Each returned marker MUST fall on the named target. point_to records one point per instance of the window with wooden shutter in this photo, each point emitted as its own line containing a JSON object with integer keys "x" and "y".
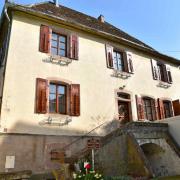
{"x": 109, "y": 56}
{"x": 154, "y": 69}
{"x": 127, "y": 57}
{"x": 41, "y": 95}
{"x": 161, "y": 109}
{"x": 140, "y": 107}
{"x": 75, "y": 100}
{"x": 74, "y": 47}
{"x": 45, "y": 36}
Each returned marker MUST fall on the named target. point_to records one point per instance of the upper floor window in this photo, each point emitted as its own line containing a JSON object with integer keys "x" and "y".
{"x": 118, "y": 62}
{"x": 59, "y": 45}
{"x": 161, "y": 71}
{"x": 64, "y": 45}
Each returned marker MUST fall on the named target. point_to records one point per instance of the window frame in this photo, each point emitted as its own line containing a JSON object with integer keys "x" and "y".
{"x": 122, "y": 60}
{"x": 58, "y": 43}
{"x": 57, "y": 84}
{"x": 152, "y": 108}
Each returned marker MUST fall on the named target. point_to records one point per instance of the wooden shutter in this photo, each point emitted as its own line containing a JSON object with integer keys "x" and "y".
{"x": 156, "y": 109}
{"x": 41, "y": 95}
{"x": 140, "y": 107}
{"x": 45, "y": 35}
{"x": 168, "y": 73}
{"x": 109, "y": 56}
{"x": 74, "y": 47}
{"x": 127, "y": 58}
{"x": 154, "y": 69}
{"x": 161, "y": 109}
{"x": 176, "y": 107}
{"x": 75, "y": 100}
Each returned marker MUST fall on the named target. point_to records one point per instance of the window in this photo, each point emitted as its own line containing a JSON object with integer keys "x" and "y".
{"x": 167, "y": 109}
{"x": 63, "y": 98}
{"x": 59, "y": 45}
{"x": 161, "y": 72}
{"x": 149, "y": 109}
{"x": 64, "y": 45}
{"x": 57, "y": 98}
{"x": 123, "y": 95}
{"x": 118, "y": 62}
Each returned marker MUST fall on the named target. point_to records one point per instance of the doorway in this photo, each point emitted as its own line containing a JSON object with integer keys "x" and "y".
{"x": 124, "y": 111}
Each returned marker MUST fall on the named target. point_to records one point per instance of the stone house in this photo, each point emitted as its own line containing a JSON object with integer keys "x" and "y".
{"x": 64, "y": 73}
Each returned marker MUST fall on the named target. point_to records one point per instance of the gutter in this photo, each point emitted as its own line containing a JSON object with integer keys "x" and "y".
{"x": 4, "y": 61}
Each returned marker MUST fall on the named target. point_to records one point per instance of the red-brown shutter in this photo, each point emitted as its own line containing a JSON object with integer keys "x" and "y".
{"x": 127, "y": 57}
{"x": 176, "y": 107}
{"x": 75, "y": 100}
{"x": 41, "y": 95}
{"x": 156, "y": 109}
{"x": 74, "y": 47}
{"x": 154, "y": 69}
{"x": 109, "y": 56}
{"x": 168, "y": 74}
{"x": 161, "y": 109}
{"x": 44, "y": 45}
{"x": 140, "y": 107}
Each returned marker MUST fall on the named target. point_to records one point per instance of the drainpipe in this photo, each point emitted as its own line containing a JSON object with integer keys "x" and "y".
{"x": 5, "y": 59}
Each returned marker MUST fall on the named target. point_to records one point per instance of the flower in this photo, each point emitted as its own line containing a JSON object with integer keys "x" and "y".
{"x": 74, "y": 175}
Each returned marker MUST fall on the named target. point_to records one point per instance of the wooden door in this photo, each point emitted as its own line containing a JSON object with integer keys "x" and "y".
{"x": 123, "y": 110}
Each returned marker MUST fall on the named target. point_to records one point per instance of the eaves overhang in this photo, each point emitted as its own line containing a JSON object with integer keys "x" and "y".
{"x": 74, "y": 24}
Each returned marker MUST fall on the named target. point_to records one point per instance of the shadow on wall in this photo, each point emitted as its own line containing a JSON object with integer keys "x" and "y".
{"x": 32, "y": 151}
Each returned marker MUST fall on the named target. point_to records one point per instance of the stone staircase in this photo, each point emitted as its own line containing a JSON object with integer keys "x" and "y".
{"x": 139, "y": 149}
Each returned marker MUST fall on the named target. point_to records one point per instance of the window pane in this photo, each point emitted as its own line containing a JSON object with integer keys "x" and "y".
{"x": 54, "y": 43}
{"x": 62, "y": 39}
{"x": 62, "y": 46}
{"x": 54, "y": 36}
{"x": 54, "y": 51}
{"x": 52, "y": 88}
{"x": 62, "y": 53}
{"x": 62, "y": 103}
{"x": 52, "y": 107}
{"x": 61, "y": 90}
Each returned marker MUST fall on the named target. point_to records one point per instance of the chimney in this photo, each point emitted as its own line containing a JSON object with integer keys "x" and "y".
{"x": 56, "y": 3}
{"x": 101, "y": 18}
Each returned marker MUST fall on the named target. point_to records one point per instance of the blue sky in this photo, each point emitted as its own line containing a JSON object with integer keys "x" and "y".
{"x": 155, "y": 22}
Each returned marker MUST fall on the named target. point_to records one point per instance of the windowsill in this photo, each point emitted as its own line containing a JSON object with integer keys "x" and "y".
{"x": 163, "y": 84}
{"x": 121, "y": 74}
{"x": 59, "y": 60}
{"x": 56, "y": 120}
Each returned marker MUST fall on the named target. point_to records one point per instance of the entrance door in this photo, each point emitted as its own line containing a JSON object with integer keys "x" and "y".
{"x": 123, "y": 110}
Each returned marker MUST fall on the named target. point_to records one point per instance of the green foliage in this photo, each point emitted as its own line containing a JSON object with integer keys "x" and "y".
{"x": 92, "y": 175}
{"x": 119, "y": 178}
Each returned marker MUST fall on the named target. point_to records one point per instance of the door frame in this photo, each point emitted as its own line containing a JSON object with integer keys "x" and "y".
{"x": 129, "y": 101}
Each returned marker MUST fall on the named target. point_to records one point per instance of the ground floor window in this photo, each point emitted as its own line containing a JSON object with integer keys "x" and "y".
{"x": 167, "y": 109}
{"x": 149, "y": 109}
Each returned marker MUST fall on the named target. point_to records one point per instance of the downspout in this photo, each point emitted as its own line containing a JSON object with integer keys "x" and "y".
{"x": 4, "y": 61}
